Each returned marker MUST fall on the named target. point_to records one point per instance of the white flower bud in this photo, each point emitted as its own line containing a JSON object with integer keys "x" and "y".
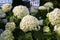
{"x": 46, "y": 29}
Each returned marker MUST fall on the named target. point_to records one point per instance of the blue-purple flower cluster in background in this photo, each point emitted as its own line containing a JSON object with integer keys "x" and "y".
{"x": 1, "y": 30}
{"x": 5, "y": 1}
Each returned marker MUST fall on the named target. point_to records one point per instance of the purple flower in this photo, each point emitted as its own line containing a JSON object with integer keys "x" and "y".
{"x": 1, "y": 30}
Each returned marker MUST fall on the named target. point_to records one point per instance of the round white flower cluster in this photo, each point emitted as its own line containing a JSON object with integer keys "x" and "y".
{"x": 7, "y": 35}
{"x": 54, "y": 16}
{"x": 6, "y": 7}
{"x": 57, "y": 29}
{"x": 42, "y": 8}
{"x": 29, "y": 23}
{"x": 46, "y": 29}
{"x": 10, "y": 26}
{"x": 48, "y": 5}
{"x": 2, "y": 14}
{"x": 20, "y": 11}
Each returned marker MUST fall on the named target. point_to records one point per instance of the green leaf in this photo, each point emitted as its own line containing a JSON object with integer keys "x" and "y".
{"x": 46, "y": 22}
{"x": 28, "y": 36}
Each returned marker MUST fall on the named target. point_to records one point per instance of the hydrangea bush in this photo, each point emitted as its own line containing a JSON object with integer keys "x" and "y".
{"x": 21, "y": 25}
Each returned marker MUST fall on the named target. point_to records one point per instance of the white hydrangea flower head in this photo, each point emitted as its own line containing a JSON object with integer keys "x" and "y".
{"x": 29, "y": 23}
{"x": 41, "y": 22}
{"x": 20, "y": 11}
{"x": 42, "y": 8}
{"x": 54, "y": 16}
{"x": 57, "y": 29}
{"x": 2, "y": 14}
{"x": 46, "y": 29}
{"x": 56, "y": 26}
{"x": 48, "y": 5}
{"x": 6, "y": 7}
{"x": 7, "y": 35}
{"x": 10, "y": 26}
